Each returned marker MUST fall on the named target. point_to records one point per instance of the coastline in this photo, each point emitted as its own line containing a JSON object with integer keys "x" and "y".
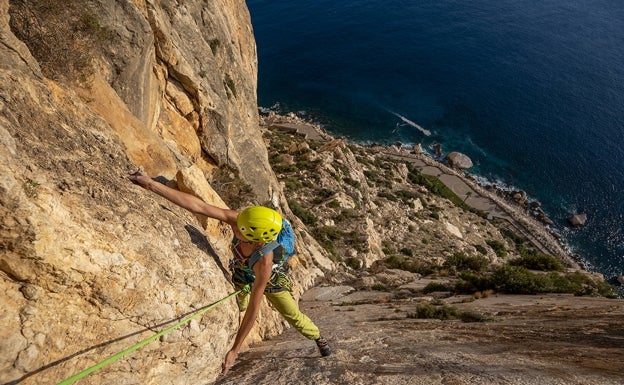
{"x": 493, "y": 202}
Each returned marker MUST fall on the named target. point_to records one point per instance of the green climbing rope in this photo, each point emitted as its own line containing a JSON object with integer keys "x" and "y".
{"x": 146, "y": 341}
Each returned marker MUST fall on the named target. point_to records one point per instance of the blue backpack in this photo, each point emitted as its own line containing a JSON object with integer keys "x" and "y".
{"x": 285, "y": 240}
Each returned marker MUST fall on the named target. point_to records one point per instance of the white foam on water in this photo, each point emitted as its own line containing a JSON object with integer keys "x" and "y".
{"x": 411, "y": 123}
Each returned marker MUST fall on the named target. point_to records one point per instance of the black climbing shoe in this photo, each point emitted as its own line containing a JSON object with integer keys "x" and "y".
{"x": 323, "y": 346}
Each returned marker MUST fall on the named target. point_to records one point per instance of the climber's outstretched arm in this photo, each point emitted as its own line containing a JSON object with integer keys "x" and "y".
{"x": 184, "y": 200}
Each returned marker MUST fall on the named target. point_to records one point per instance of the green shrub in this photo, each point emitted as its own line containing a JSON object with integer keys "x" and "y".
{"x": 460, "y": 261}
{"x": 436, "y": 312}
{"x": 362, "y": 160}
{"x": 306, "y": 217}
{"x": 229, "y": 83}
{"x": 400, "y": 262}
{"x": 334, "y": 204}
{"x": 326, "y": 236}
{"x": 354, "y": 263}
{"x": 429, "y": 311}
{"x": 328, "y": 232}
{"x": 498, "y": 247}
{"x": 421, "y": 268}
{"x": 471, "y": 316}
{"x": 394, "y": 261}
{"x": 292, "y": 184}
{"x": 322, "y": 194}
{"x": 284, "y": 168}
{"x": 580, "y": 284}
{"x": 481, "y": 249}
{"x": 436, "y": 286}
{"x": 517, "y": 239}
{"x": 388, "y": 195}
{"x": 471, "y": 282}
{"x": 371, "y": 176}
{"x": 435, "y": 186}
{"x": 380, "y": 287}
{"x": 407, "y": 251}
{"x": 355, "y": 240}
{"x": 348, "y": 214}
{"x": 406, "y": 195}
{"x": 538, "y": 261}
{"x": 519, "y": 280}
{"x": 352, "y": 182}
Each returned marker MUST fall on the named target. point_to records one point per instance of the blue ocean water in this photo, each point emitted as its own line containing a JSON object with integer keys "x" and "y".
{"x": 533, "y": 92}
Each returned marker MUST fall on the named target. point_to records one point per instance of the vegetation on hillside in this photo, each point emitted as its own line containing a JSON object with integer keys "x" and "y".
{"x": 64, "y": 36}
{"x": 330, "y": 200}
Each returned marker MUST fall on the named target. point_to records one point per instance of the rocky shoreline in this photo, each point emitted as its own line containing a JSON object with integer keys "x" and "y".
{"x": 526, "y": 216}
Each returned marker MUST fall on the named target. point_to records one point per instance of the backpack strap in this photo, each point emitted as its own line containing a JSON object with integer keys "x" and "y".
{"x": 261, "y": 252}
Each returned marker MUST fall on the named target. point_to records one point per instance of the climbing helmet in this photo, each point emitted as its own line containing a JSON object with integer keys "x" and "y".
{"x": 259, "y": 224}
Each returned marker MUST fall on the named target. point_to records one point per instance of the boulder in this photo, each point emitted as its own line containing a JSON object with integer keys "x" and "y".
{"x": 459, "y": 160}
{"x": 578, "y": 220}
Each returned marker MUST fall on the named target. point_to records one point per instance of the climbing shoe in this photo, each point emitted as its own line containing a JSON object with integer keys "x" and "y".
{"x": 323, "y": 346}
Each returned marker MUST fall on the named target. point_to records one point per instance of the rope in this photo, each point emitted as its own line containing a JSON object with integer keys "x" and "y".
{"x": 146, "y": 341}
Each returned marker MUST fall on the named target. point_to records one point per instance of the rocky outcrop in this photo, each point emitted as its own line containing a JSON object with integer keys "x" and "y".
{"x": 459, "y": 160}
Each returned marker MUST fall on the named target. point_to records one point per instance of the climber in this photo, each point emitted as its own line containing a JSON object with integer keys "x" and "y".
{"x": 253, "y": 228}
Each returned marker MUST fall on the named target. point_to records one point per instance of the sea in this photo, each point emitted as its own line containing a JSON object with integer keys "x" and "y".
{"x": 531, "y": 91}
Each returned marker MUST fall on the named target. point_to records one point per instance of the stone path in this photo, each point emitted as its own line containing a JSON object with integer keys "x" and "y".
{"x": 308, "y": 131}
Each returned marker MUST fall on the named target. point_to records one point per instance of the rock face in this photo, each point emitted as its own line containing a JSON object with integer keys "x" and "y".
{"x": 183, "y": 72}
{"x": 459, "y": 160}
{"x": 89, "y": 263}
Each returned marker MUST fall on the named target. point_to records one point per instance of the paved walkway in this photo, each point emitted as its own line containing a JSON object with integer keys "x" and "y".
{"x": 308, "y": 131}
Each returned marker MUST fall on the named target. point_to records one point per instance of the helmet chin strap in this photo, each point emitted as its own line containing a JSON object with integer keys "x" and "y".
{"x": 252, "y": 242}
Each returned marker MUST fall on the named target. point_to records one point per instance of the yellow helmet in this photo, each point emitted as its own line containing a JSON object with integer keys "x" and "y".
{"x": 259, "y": 224}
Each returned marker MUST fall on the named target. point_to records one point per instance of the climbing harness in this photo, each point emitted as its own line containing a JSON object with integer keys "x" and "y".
{"x": 146, "y": 341}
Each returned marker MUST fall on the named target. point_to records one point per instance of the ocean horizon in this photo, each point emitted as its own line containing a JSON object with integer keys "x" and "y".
{"x": 532, "y": 93}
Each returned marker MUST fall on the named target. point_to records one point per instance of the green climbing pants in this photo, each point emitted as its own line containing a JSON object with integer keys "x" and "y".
{"x": 285, "y": 304}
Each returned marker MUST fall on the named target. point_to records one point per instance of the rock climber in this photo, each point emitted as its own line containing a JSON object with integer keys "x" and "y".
{"x": 253, "y": 228}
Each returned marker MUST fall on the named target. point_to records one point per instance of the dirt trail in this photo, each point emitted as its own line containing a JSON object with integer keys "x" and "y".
{"x": 555, "y": 339}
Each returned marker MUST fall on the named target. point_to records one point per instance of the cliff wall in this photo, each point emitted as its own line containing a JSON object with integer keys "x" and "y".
{"x": 90, "y": 263}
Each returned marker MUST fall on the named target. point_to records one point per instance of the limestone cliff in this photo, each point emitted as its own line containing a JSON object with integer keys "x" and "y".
{"x": 91, "y": 263}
